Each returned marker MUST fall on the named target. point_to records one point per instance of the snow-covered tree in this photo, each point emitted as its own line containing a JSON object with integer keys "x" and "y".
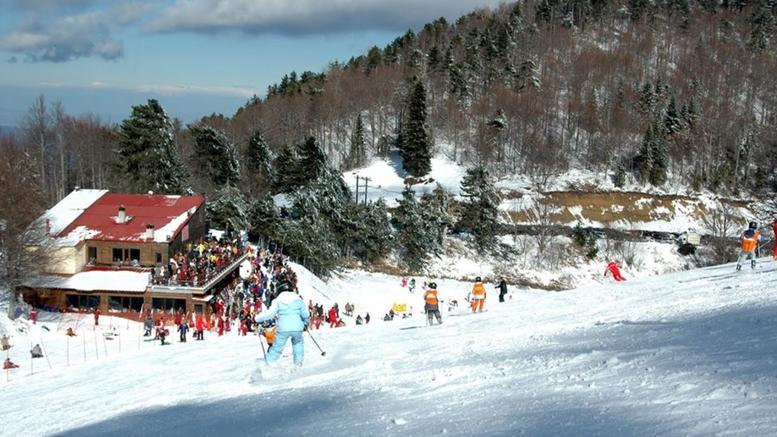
{"x": 147, "y": 154}
{"x": 415, "y": 235}
{"x": 646, "y": 155}
{"x": 286, "y": 169}
{"x": 227, "y": 210}
{"x": 481, "y": 208}
{"x": 264, "y": 218}
{"x": 673, "y": 123}
{"x": 214, "y": 156}
{"x": 437, "y": 205}
{"x": 528, "y": 76}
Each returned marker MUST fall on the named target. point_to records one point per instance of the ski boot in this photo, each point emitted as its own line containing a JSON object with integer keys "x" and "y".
{"x": 739, "y": 267}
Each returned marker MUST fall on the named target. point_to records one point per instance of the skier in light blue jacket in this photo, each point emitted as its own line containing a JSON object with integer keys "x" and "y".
{"x": 293, "y": 317}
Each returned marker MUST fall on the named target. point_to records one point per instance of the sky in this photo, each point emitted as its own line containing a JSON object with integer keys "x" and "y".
{"x": 196, "y": 56}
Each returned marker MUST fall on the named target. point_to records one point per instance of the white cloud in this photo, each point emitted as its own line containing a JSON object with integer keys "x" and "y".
{"x": 299, "y": 17}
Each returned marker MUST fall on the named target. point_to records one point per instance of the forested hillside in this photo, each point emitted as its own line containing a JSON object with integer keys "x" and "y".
{"x": 653, "y": 95}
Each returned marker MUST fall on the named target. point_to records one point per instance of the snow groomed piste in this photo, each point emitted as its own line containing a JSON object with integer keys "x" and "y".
{"x": 689, "y": 353}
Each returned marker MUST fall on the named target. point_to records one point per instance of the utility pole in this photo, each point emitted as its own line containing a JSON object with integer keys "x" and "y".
{"x": 357, "y": 189}
{"x": 366, "y": 181}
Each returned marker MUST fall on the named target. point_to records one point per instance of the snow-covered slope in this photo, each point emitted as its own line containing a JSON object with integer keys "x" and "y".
{"x": 688, "y": 353}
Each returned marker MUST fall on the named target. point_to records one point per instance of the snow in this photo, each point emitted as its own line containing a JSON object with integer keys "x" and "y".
{"x": 166, "y": 232}
{"x": 387, "y": 178}
{"x": 687, "y": 353}
{"x": 97, "y": 280}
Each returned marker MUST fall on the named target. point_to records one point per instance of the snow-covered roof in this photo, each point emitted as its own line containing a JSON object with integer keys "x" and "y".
{"x": 96, "y": 280}
{"x": 64, "y": 213}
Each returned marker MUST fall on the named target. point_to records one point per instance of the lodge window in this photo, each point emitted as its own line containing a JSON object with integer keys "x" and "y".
{"x": 198, "y": 309}
{"x": 125, "y": 255}
{"x": 158, "y": 258}
{"x": 76, "y": 302}
{"x": 125, "y": 304}
{"x": 159, "y": 303}
{"x": 91, "y": 255}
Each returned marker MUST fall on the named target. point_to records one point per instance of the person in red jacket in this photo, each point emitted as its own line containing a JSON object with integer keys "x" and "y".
{"x": 96, "y": 316}
{"x": 332, "y": 317}
{"x": 200, "y": 325}
{"x": 33, "y": 316}
{"x": 612, "y": 267}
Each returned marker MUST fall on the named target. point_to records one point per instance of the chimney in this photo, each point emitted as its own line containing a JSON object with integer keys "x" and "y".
{"x": 149, "y": 232}
{"x": 122, "y": 215}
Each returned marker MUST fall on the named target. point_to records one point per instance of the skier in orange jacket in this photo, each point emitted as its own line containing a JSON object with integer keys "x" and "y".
{"x": 748, "y": 243}
{"x": 478, "y": 295}
{"x": 432, "y": 304}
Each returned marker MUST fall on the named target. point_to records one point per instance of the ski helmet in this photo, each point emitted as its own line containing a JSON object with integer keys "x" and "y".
{"x": 753, "y": 225}
{"x": 478, "y": 279}
{"x": 433, "y": 285}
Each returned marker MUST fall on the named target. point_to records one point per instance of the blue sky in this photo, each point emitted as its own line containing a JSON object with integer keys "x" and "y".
{"x": 196, "y": 56}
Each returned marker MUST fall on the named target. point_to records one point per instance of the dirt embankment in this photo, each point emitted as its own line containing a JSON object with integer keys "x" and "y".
{"x": 609, "y": 207}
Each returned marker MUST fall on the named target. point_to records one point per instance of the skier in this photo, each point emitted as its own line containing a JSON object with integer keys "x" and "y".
{"x": 502, "y": 289}
{"x": 748, "y": 243}
{"x": 33, "y": 316}
{"x": 36, "y": 351}
{"x": 293, "y": 317}
{"x": 367, "y": 319}
{"x": 432, "y": 305}
{"x": 96, "y": 316}
{"x": 612, "y": 267}
{"x": 70, "y": 332}
{"x": 5, "y": 342}
{"x": 332, "y": 317}
{"x": 200, "y": 327}
{"x": 8, "y": 364}
{"x": 478, "y": 295}
{"x": 148, "y": 324}
{"x": 359, "y": 320}
{"x": 183, "y": 328}
{"x": 411, "y": 285}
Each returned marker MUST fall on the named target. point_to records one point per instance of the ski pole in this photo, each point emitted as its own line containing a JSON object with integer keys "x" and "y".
{"x": 316, "y": 343}
{"x": 261, "y": 346}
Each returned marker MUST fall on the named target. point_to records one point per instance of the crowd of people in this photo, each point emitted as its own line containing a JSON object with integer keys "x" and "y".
{"x": 199, "y": 262}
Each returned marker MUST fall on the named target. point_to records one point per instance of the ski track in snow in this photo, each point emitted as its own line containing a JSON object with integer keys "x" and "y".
{"x": 678, "y": 354}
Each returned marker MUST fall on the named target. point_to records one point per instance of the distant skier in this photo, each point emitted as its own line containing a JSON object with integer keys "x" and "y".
{"x": 8, "y": 364}
{"x": 748, "y": 243}
{"x": 199, "y": 325}
{"x": 502, "y": 287}
{"x": 183, "y": 328}
{"x": 411, "y": 285}
{"x": 5, "y": 342}
{"x": 432, "y": 305}
{"x": 478, "y": 295}
{"x": 148, "y": 325}
{"x": 33, "y": 316}
{"x": 614, "y": 269}
{"x": 96, "y": 316}
{"x": 293, "y": 317}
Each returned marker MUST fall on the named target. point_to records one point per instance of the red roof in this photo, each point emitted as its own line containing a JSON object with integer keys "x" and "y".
{"x": 141, "y": 209}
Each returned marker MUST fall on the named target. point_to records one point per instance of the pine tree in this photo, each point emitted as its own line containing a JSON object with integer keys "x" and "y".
{"x": 672, "y": 121}
{"x": 227, "y": 210}
{"x": 373, "y": 235}
{"x": 358, "y": 155}
{"x": 620, "y": 174}
{"x": 528, "y": 76}
{"x": 287, "y": 171}
{"x": 646, "y": 155}
{"x": 215, "y": 156}
{"x": 147, "y": 155}
{"x": 437, "y": 205}
{"x": 660, "y": 157}
{"x": 312, "y": 161}
{"x": 762, "y": 26}
{"x": 417, "y": 144}
{"x": 259, "y": 161}
{"x": 415, "y": 236}
{"x": 264, "y": 218}
{"x": 481, "y": 208}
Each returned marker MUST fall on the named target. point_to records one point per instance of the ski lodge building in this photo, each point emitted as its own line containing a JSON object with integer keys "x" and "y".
{"x": 106, "y": 250}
